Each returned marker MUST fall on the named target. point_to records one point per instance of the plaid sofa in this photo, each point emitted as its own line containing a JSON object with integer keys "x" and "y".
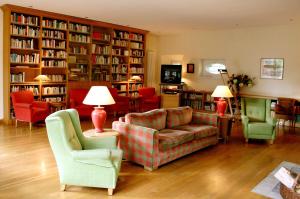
{"x": 159, "y": 136}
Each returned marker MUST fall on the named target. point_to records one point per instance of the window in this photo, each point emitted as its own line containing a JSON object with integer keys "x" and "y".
{"x": 212, "y": 66}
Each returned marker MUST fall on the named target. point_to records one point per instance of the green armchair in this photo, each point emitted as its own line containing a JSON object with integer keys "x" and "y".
{"x": 257, "y": 120}
{"x": 82, "y": 161}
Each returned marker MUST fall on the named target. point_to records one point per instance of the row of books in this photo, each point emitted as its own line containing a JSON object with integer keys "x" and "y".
{"x": 54, "y": 99}
{"x": 24, "y": 31}
{"x": 79, "y": 28}
{"x": 52, "y": 43}
{"x": 119, "y": 69}
{"x": 78, "y": 50}
{"x": 135, "y": 60}
{"x": 19, "y": 77}
{"x": 53, "y": 23}
{"x": 54, "y": 90}
{"x": 33, "y": 89}
{"x": 136, "y": 45}
{"x": 53, "y": 34}
{"x": 121, "y": 34}
{"x": 119, "y": 51}
{"x": 101, "y": 36}
{"x": 138, "y": 53}
{"x": 134, "y": 87}
{"x": 119, "y": 60}
{"x": 99, "y": 75}
{"x": 79, "y": 69}
{"x": 54, "y": 63}
{"x": 137, "y": 37}
{"x": 56, "y": 78}
{"x": 98, "y": 49}
{"x": 118, "y": 77}
{"x": 24, "y": 19}
{"x": 22, "y": 43}
{"x": 118, "y": 42}
{"x": 54, "y": 53}
{"x": 136, "y": 70}
{"x": 22, "y": 58}
{"x": 100, "y": 59}
{"x": 79, "y": 38}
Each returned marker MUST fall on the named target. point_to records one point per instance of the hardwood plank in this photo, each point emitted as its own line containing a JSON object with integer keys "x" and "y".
{"x": 28, "y": 168}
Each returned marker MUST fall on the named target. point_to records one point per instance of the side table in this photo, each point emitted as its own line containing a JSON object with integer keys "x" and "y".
{"x": 55, "y": 106}
{"x": 106, "y": 133}
{"x": 225, "y": 124}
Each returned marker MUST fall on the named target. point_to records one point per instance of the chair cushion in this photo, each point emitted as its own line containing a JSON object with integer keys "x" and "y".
{"x": 155, "y": 119}
{"x": 260, "y": 128}
{"x": 169, "y": 138}
{"x": 200, "y": 131}
{"x": 179, "y": 116}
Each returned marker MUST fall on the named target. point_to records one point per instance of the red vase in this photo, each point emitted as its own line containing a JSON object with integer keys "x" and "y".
{"x": 221, "y": 106}
{"x": 98, "y": 118}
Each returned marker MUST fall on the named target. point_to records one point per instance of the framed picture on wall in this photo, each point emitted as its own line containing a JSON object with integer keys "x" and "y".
{"x": 271, "y": 68}
{"x": 190, "y": 68}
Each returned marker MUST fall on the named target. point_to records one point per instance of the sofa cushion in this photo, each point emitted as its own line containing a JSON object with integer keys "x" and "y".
{"x": 155, "y": 119}
{"x": 260, "y": 128}
{"x": 169, "y": 138}
{"x": 200, "y": 131}
{"x": 179, "y": 116}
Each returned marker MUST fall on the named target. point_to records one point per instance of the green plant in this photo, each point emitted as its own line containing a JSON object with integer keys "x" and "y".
{"x": 239, "y": 81}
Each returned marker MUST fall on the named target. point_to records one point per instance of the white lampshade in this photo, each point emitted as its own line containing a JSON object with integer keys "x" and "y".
{"x": 98, "y": 95}
{"x": 222, "y": 91}
{"x": 42, "y": 78}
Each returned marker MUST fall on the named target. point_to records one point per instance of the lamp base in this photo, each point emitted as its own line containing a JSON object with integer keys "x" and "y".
{"x": 98, "y": 118}
{"x": 221, "y": 106}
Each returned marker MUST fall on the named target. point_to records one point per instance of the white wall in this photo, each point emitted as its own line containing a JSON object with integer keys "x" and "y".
{"x": 242, "y": 49}
{"x": 1, "y": 65}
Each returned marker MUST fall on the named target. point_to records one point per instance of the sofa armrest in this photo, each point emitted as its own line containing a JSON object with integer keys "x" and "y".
{"x": 140, "y": 144}
{"x": 205, "y": 118}
{"x": 22, "y": 105}
{"x": 99, "y": 157}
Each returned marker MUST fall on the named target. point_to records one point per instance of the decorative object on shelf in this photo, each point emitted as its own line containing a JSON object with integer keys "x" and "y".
{"x": 190, "y": 68}
{"x": 271, "y": 68}
{"x": 239, "y": 81}
{"x": 99, "y": 95}
{"x": 222, "y": 92}
{"x": 42, "y": 78}
{"x": 136, "y": 78}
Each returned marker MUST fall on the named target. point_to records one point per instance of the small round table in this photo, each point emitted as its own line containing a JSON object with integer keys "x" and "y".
{"x": 106, "y": 133}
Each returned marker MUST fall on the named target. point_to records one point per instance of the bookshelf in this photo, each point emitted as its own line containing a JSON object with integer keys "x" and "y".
{"x": 198, "y": 100}
{"x": 73, "y": 52}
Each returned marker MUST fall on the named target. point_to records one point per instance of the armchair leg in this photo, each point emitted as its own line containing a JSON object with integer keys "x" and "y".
{"x": 30, "y": 126}
{"x": 16, "y": 123}
{"x": 63, "y": 187}
{"x": 110, "y": 192}
{"x": 247, "y": 140}
{"x": 271, "y": 142}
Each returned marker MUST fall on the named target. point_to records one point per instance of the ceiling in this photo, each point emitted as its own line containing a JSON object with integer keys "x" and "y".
{"x": 171, "y": 16}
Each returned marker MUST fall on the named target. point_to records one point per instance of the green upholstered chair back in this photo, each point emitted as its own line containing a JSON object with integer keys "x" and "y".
{"x": 255, "y": 109}
{"x": 62, "y": 134}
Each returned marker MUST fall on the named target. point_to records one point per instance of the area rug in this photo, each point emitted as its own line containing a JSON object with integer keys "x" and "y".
{"x": 269, "y": 186}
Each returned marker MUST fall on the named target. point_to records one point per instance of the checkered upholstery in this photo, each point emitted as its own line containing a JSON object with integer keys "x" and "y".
{"x": 179, "y": 116}
{"x": 152, "y": 148}
{"x": 155, "y": 119}
{"x": 169, "y": 138}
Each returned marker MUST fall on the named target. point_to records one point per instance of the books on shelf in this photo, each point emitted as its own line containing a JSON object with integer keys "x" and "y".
{"x": 54, "y": 90}
{"x": 54, "y": 54}
{"x": 100, "y": 59}
{"x": 53, "y": 23}
{"x": 137, "y": 37}
{"x": 17, "y": 78}
{"x": 24, "y": 31}
{"x": 98, "y": 49}
{"x": 22, "y": 43}
{"x": 78, "y": 50}
{"x": 79, "y": 38}
{"x": 136, "y": 45}
{"x": 101, "y": 36}
{"x": 122, "y": 43}
{"x": 33, "y": 89}
{"x": 120, "y": 34}
{"x": 24, "y": 19}
{"x": 33, "y": 58}
{"x": 55, "y": 34}
{"x": 52, "y": 43}
{"x": 79, "y": 28}
{"x": 137, "y": 53}
{"x": 54, "y": 63}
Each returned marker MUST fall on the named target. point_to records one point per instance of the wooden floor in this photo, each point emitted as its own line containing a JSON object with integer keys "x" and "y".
{"x": 28, "y": 169}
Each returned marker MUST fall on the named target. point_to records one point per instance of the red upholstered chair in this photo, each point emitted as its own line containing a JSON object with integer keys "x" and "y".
{"x": 121, "y": 105}
{"x": 148, "y": 99}
{"x": 76, "y": 97}
{"x": 28, "y": 110}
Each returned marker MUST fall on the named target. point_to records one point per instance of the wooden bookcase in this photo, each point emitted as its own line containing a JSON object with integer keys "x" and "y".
{"x": 68, "y": 50}
{"x": 198, "y": 100}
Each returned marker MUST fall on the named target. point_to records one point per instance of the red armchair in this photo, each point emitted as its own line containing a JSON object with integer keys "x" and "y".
{"x": 28, "y": 110}
{"x": 148, "y": 99}
{"x": 76, "y": 97}
{"x": 121, "y": 105}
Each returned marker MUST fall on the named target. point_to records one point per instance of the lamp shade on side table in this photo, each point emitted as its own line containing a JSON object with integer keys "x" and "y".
{"x": 222, "y": 92}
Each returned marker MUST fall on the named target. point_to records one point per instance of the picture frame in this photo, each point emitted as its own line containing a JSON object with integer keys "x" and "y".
{"x": 271, "y": 68}
{"x": 190, "y": 68}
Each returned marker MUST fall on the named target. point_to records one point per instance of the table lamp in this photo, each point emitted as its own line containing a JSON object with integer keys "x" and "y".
{"x": 222, "y": 92}
{"x": 98, "y": 95}
{"x": 41, "y": 79}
